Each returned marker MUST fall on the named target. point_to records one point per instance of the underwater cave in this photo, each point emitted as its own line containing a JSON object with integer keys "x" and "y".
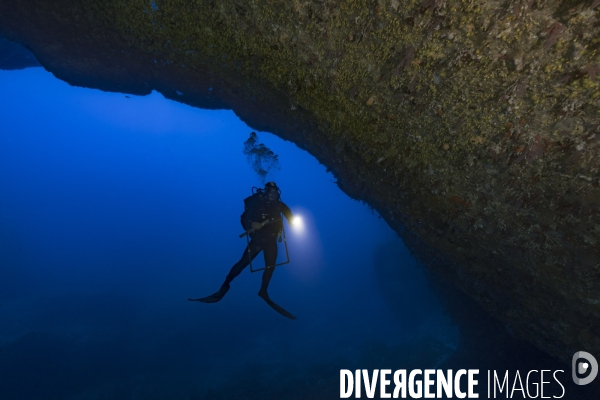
{"x": 469, "y": 130}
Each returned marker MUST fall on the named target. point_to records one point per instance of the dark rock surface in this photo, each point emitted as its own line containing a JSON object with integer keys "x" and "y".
{"x": 15, "y": 56}
{"x": 471, "y": 126}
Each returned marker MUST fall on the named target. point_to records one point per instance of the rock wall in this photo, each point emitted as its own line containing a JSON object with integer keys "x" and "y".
{"x": 471, "y": 126}
{"x": 15, "y": 56}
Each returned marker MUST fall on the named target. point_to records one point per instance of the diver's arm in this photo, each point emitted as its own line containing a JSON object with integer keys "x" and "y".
{"x": 286, "y": 212}
{"x": 257, "y": 225}
{"x": 254, "y": 224}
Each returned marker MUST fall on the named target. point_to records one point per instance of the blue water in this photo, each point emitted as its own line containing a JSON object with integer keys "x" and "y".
{"x": 114, "y": 210}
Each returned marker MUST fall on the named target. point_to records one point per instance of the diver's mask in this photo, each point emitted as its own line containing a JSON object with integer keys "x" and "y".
{"x": 273, "y": 195}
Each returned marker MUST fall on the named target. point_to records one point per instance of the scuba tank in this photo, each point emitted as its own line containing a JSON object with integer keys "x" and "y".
{"x": 252, "y": 208}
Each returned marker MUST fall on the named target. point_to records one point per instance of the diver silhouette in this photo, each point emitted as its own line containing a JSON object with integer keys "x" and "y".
{"x": 263, "y": 223}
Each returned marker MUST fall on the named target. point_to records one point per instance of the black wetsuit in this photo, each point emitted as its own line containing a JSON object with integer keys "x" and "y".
{"x": 264, "y": 239}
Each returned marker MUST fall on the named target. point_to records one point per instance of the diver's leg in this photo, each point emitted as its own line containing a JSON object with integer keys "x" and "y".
{"x": 270, "y": 253}
{"x": 250, "y": 252}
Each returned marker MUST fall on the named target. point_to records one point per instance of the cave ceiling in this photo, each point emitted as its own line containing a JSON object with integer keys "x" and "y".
{"x": 470, "y": 126}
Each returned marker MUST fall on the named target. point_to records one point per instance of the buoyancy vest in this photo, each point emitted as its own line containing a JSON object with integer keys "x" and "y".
{"x": 258, "y": 208}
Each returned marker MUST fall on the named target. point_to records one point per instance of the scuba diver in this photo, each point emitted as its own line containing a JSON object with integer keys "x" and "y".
{"x": 263, "y": 223}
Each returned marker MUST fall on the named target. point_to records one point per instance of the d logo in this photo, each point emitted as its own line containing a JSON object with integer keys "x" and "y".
{"x": 583, "y": 367}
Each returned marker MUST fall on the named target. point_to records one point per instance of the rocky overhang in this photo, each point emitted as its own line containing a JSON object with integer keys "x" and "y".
{"x": 470, "y": 126}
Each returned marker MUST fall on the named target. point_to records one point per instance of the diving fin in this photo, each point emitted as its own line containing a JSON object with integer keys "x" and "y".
{"x": 213, "y": 298}
{"x": 276, "y": 306}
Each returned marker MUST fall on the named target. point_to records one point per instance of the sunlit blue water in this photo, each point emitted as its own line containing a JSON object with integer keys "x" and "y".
{"x": 115, "y": 210}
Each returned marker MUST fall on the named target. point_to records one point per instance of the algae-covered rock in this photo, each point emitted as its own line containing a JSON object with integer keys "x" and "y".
{"x": 471, "y": 126}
